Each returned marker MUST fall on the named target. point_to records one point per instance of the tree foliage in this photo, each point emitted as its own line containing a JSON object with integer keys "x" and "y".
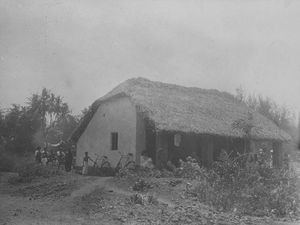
{"x": 280, "y": 115}
{"x": 17, "y": 129}
{"x": 44, "y": 113}
{"x": 51, "y": 111}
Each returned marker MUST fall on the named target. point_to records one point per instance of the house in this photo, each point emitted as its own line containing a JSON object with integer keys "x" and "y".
{"x": 299, "y": 131}
{"x": 168, "y": 122}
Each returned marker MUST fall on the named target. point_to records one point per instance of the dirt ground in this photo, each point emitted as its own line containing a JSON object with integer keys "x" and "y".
{"x": 74, "y": 199}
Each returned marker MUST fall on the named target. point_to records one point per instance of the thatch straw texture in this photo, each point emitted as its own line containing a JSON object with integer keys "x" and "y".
{"x": 193, "y": 110}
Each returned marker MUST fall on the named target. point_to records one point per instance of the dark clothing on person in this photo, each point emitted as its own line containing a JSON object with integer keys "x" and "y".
{"x": 38, "y": 157}
{"x": 68, "y": 161}
{"x": 85, "y": 158}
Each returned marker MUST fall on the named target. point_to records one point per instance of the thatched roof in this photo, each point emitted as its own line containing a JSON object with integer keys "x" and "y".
{"x": 182, "y": 109}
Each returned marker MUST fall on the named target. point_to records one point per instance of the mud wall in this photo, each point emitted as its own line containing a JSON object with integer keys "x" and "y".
{"x": 118, "y": 115}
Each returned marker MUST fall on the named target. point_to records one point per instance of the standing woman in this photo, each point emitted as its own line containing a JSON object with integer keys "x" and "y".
{"x": 85, "y": 166}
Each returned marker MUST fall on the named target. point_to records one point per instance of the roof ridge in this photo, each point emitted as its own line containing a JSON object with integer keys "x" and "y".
{"x": 194, "y": 89}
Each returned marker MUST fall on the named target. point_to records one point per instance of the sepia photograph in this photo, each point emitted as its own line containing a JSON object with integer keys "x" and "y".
{"x": 149, "y": 112}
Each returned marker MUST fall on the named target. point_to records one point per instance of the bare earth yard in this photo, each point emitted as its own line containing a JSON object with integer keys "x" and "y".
{"x": 74, "y": 199}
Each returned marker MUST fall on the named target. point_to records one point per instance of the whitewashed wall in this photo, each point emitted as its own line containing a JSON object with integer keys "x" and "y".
{"x": 118, "y": 115}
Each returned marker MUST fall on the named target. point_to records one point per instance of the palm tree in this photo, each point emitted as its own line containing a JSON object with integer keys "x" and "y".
{"x": 50, "y": 109}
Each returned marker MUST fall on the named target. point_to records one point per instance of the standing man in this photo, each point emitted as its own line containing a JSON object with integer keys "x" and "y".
{"x": 68, "y": 160}
{"x": 38, "y": 155}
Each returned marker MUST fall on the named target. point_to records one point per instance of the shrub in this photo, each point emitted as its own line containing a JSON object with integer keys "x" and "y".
{"x": 35, "y": 170}
{"x": 10, "y": 161}
{"x": 7, "y": 163}
{"x": 249, "y": 187}
{"x": 143, "y": 199}
{"x": 190, "y": 169}
{"x": 141, "y": 185}
{"x": 28, "y": 172}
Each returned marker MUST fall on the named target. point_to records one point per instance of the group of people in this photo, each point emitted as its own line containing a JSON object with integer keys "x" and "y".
{"x": 40, "y": 156}
{"x": 60, "y": 158}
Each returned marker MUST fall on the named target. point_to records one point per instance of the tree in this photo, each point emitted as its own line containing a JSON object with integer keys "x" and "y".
{"x": 66, "y": 127}
{"x": 280, "y": 115}
{"x": 84, "y": 112}
{"x": 51, "y": 111}
{"x": 17, "y": 129}
{"x": 45, "y": 118}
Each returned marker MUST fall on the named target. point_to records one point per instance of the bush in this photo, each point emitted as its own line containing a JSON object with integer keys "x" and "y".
{"x": 189, "y": 169}
{"x": 35, "y": 170}
{"x": 7, "y": 163}
{"x": 28, "y": 172}
{"x": 143, "y": 199}
{"x": 248, "y": 187}
{"x": 141, "y": 186}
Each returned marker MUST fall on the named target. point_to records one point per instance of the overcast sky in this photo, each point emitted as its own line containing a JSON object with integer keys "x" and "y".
{"x": 81, "y": 49}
